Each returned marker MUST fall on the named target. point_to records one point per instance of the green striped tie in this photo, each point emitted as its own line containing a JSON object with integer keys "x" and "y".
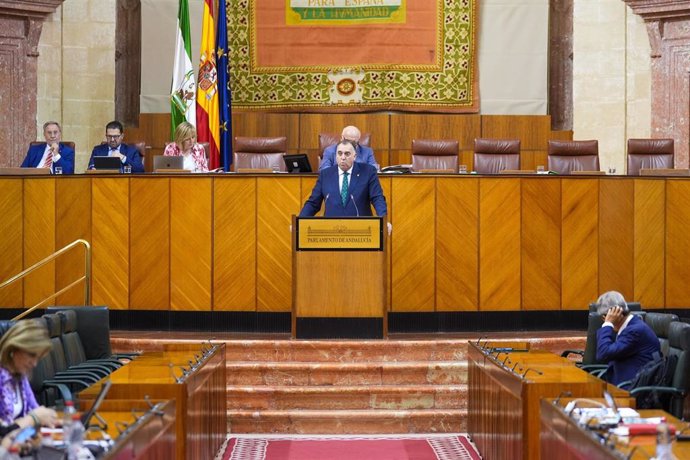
{"x": 343, "y": 190}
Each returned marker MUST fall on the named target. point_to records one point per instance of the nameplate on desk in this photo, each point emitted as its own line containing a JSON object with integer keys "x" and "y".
{"x": 24, "y": 171}
{"x": 354, "y": 233}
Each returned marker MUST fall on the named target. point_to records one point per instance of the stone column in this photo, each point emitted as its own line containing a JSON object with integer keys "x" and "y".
{"x": 668, "y": 26}
{"x": 20, "y": 28}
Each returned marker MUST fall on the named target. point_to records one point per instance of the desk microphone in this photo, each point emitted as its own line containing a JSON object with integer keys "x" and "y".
{"x": 480, "y": 339}
{"x": 533, "y": 370}
{"x": 353, "y": 202}
{"x": 567, "y": 394}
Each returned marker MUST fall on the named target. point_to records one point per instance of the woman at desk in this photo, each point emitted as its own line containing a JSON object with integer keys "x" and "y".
{"x": 186, "y": 146}
{"x": 21, "y": 347}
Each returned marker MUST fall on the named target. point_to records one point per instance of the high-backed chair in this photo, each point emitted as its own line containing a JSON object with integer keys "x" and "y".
{"x": 567, "y": 156}
{"x": 260, "y": 153}
{"x": 659, "y": 323}
{"x": 492, "y": 156}
{"x": 435, "y": 154}
{"x": 326, "y": 139}
{"x": 649, "y": 154}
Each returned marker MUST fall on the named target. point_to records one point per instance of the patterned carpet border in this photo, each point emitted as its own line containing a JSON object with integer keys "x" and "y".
{"x": 282, "y": 447}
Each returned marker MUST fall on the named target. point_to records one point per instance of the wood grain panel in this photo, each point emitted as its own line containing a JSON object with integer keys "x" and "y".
{"x": 541, "y": 244}
{"x": 405, "y": 127}
{"x": 413, "y": 244}
{"x": 649, "y": 232}
{"x": 580, "y": 240}
{"x": 532, "y": 130}
{"x": 11, "y": 248}
{"x": 457, "y": 244}
{"x": 306, "y": 186}
{"x": 39, "y": 238}
{"x": 234, "y": 244}
{"x": 260, "y": 124}
{"x": 110, "y": 233}
{"x": 150, "y": 248}
{"x": 387, "y": 187}
{"x": 191, "y": 207}
{"x": 677, "y": 243}
{"x": 499, "y": 245}
{"x": 616, "y": 241}
{"x": 73, "y": 221}
{"x": 311, "y": 124}
{"x": 278, "y": 198}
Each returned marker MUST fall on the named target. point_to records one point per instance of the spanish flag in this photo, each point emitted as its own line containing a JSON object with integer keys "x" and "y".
{"x": 207, "y": 114}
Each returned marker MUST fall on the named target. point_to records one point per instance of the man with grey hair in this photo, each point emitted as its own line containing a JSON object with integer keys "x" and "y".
{"x": 624, "y": 340}
{"x": 364, "y": 153}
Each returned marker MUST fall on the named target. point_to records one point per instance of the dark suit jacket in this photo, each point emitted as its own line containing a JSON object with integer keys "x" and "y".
{"x": 35, "y": 153}
{"x": 130, "y": 151}
{"x": 627, "y": 352}
{"x": 364, "y": 188}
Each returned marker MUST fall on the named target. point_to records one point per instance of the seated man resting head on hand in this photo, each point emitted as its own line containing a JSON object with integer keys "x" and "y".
{"x": 624, "y": 340}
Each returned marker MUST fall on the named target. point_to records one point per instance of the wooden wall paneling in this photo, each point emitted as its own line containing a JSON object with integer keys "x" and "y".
{"x": 387, "y": 186}
{"x": 457, "y": 244}
{"x": 110, "y": 235}
{"x": 649, "y": 238}
{"x": 73, "y": 221}
{"x": 234, "y": 244}
{"x": 149, "y": 225}
{"x": 191, "y": 208}
{"x": 11, "y": 247}
{"x": 532, "y": 130}
{"x": 677, "y": 243}
{"x": 616, "y": 236}
{"x": 39, "y": 237}
{"x": 466, "y": 158}
{"x": 405, "y": 127}
{"x": 580, "y": 242}
{"x": 499, "y": 245}
{"x": 413, "y": 281}
{"x": 400, "y": 157}
{"x": 262, "y": 124}
{"x": 530, "y": 159}
{"x": 154, "y": 129}
{"x": 541, "y": 244}
{"x": 278, "y": 198}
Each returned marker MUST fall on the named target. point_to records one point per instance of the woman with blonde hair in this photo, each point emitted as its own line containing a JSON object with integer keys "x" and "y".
{"x": 185, "y": 145}
{"x": 21, "y": 347}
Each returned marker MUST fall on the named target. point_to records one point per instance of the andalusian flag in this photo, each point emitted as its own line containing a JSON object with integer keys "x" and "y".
{"x": 207, "y": 117}
{"x": 183, "y": 91}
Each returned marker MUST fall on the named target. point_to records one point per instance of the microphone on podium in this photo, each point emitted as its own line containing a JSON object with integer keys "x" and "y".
{"x": 353, "y": 202}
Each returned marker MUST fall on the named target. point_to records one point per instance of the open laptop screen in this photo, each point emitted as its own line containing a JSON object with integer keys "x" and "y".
{"x": 107, "y": 163}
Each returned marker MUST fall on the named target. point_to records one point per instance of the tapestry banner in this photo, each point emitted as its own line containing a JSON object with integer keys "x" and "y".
{"x": 353, "y": 55}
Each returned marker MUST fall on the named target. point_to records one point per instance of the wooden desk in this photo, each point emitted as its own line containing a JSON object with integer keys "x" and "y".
{"x": 563, "y": 439}
{"x": 503, "y": 412}
{"x": 201, "y": 404}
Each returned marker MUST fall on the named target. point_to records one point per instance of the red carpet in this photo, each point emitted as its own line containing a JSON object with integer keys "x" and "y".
{"x": 403, "y": 447}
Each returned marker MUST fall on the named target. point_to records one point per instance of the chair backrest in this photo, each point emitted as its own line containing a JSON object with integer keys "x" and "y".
{"x": 260, "y": 153}
{"x": 93, "y": 326}
{"x": 435, "y": 154}
{"x": 679, "y": 341}
{"x": 659, "y": 323}
{"x": 206, "y": 147}
{"x": 649, "y": 154}
{"x": 327, "y": 139}
{"x": 632, "y": 306}
{"x": 492, "y": 156}
{"x": 594, "y": 322}
{"x": 567, "y": 156}
{"x": 71, "y": 342}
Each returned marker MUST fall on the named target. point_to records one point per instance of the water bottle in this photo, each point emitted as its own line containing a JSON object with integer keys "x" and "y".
{"x": 13, "y": 453}
{"x": 67, "y": 416}
{"x": 74, "y": 437}
{"x": 663, "y": 443}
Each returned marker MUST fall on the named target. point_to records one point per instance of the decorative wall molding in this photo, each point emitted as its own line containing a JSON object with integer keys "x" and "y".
{"x": 668, "y": 27}
{"x": 21, "y": 22}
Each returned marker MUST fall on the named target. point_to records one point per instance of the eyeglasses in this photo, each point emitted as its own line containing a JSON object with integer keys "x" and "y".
{"x": 113, "y": 137}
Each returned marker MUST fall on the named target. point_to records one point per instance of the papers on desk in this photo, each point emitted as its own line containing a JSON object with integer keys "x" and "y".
{"x": 603, "y": 416}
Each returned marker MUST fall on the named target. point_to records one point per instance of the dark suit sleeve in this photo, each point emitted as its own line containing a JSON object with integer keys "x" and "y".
{"x": 328, "y": 159}
{"x": 134, "y": 159}
{"x": 313, "y": 203}
{"x": 93, "y": 154}
{"x": 369, "y": 155}
{"x": 376, "y": 195}
{"x": 610, "y": 348}
{"x": 66, "y": 161}
{"x": 25, "y": 163}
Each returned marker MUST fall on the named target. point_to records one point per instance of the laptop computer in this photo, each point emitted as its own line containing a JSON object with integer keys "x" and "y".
{"x": 168, "y": 162}
{"x": 109, "y": 163}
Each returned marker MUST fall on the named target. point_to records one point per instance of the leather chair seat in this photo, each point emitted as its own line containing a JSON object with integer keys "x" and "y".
{"x": 435, "y": 154}
{"x": 260, "y": 153}
{"x": 491, "y": 156}
{"x": 649, "y": 154}
{"x": 567, "y": 156}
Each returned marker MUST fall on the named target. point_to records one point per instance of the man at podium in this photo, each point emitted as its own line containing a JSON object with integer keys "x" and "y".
{"x": 348, "y": 188}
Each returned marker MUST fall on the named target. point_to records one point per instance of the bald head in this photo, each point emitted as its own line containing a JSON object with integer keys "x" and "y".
{"x": 351, "y": 133}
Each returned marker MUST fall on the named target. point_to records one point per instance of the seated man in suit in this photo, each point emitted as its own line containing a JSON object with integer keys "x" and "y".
{"x": 624, "y": 340}
{"x": 349, "y": 188}
{"x": 51, "y": 153}
{"x": 364, "y": 154}
{"x": 128, "y": 154}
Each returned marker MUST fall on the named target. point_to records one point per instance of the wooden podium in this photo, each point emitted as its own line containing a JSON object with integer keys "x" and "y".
{"x": 339, "y": 277}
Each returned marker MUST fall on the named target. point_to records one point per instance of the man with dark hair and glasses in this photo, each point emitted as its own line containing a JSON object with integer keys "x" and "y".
{"x": 114, "y": 147}
{"x": 624, "y": 340}
{"x": 364, "y": 153}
